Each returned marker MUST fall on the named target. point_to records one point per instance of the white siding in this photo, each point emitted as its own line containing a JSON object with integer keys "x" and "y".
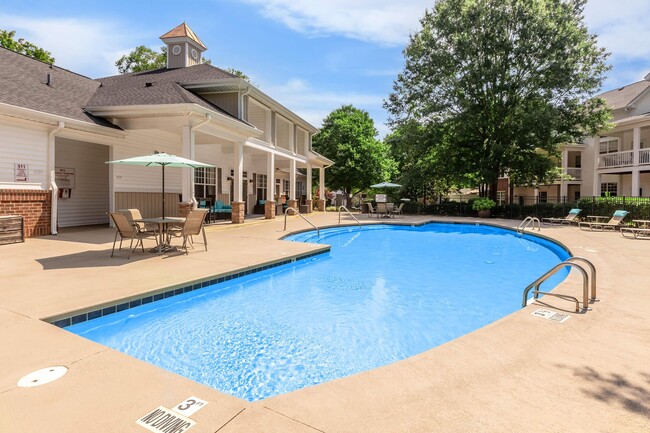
{"x": 282, "y": 131}
{"x": 133, "y": 178}
{"x": 257, "y": 116}
{"x": 226, "y": 101}
{"x": 88, "y": 202}
{"x": 23, "y": 146}
{"x": 301, "y": 142}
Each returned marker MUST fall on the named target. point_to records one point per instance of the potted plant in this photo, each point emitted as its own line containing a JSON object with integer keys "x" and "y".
{"x": 484, "y": 206}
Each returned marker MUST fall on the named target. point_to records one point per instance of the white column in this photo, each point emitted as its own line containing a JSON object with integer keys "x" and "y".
{"x": 238, "y": 156}
{"x": 270, "y": 178}
{"x": 187, "y": 175}
{"x": 292, "y": 179}
{"x": 564, "y": 187}
{"x": 636, "y": 146}
{"x": 596, "y": 191}
{"x": 321, "y": 181}
{"x": 309, "y": 175}
{"x": 268, "y": 125}
{"x": 635, "y": 182}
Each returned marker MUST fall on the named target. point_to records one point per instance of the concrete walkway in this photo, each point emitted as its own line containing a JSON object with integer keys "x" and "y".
{"x": 522, "y": 373}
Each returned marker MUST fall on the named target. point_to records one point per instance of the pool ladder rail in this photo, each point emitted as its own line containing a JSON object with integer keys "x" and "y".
{"x": 586, "y": 280}
{"x": 343, "y": 208}
{"x": 527, "y": 222}
{"x": 296, "y": 212}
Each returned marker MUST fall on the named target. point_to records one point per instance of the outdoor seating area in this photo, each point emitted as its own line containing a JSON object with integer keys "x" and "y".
{"x": 129, "y": 224}
{"x": 385, "y": 210}
{"x": 570, "y": 218}
{"x": 641, "y": 229}
{"x": 600, "y": 223}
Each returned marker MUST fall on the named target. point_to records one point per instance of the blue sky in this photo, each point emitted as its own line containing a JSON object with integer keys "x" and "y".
{"x": 312, "y": 56}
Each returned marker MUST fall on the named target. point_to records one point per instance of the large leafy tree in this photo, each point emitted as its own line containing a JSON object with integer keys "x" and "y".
{"x": 8, "y": 41}
{"x": 505, "y": 83}
{"x": 347, "y": 137}
{"x": 420, "y": 172}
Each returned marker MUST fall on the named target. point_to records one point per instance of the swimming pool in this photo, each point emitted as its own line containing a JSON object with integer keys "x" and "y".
{"x": 382, "y": 294}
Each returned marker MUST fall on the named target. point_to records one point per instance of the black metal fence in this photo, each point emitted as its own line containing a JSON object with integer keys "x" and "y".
{"x": 638, "y": 207}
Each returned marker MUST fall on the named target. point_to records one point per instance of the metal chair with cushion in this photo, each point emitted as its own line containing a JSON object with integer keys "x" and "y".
{"x": 133, "y": 215}
{"x": 127, "y": 230}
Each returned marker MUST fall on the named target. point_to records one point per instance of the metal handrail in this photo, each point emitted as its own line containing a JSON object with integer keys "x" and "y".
{"x": 296, "y": 212}
{"x": 350, "y": 213}
{"x": 527, "y": 221}
{"x": 593, "y": 275}
{"x": 585, "y": 285}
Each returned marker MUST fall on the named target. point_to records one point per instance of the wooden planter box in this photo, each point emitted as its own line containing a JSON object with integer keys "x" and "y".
{"x": 12, "y": 229}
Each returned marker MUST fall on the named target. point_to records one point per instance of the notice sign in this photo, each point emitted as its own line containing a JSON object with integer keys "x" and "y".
{"x": 21, "y": 172}
{"x": 190, "y": 405}
{"x": 163, "y": 420}
{"x": 64, "y": 178}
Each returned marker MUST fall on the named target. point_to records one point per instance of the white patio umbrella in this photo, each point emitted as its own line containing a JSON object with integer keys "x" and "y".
{"x": 163, "y": 160}
{"x": 386, "y": 185}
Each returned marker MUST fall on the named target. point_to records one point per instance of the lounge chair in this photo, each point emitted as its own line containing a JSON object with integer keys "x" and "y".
{"x": 193, "y": 226}
{"x": 127, "y": 230}
{"x": 615, "y": 222}
{"x": 571, "y": 217}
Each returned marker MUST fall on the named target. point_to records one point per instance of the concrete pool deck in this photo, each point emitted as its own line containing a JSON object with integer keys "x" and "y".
{"x": 521, "y": 373}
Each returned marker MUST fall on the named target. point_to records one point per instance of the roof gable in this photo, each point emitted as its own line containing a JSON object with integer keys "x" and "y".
{"x": 624, "y": 96}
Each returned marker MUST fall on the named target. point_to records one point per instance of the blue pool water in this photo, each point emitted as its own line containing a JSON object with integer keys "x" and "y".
{"x": 382, "y": 294}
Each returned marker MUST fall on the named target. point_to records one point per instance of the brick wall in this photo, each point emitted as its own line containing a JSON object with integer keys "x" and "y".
{"x": 34, "y": 206}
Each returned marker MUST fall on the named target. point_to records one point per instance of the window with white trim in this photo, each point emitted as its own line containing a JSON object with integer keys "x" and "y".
{"x": 609, "y": 145}
{"x": 205, "y": 182}
{"x": 261, "y": 181}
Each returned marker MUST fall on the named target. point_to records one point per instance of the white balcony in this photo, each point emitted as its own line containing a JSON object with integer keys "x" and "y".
{"x": 575, "y": 173}
{"x": 644, "y": 156}
{"x": 618, "y": 159}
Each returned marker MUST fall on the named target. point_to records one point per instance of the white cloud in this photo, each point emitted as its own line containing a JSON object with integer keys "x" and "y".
{"x": 385, "y": 22}
{"x": 314, "y": 105}
{"x": 85, "y": 46}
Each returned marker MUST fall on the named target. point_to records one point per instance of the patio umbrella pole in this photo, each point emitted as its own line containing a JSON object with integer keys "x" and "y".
{"x": 163, "y": 191}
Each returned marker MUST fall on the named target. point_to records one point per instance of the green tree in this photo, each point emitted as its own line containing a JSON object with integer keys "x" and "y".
{"x": 421, "y": 172}
{"x": 347, "y": 137}
{"x": 8, "y": 41}
{"x": 505, "y": 82}
{"x": 142, "y": 59}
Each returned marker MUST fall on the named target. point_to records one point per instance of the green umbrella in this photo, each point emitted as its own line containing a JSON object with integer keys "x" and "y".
{"x": 163, "y": 160}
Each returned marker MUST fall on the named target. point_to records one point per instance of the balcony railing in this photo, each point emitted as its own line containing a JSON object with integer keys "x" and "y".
{"x": 644, "y": 156}
{"x": 619, "y": 159}
{"x": 575, "y": 173}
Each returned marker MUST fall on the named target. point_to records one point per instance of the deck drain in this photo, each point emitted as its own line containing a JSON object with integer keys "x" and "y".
{"x": 43, "y": 376}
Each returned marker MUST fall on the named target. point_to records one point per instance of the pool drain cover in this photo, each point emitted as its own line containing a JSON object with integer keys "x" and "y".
{"x": 43, "y": 376}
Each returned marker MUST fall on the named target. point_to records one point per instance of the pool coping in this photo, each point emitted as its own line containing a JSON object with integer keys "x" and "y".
{"x": 105, "y": 309}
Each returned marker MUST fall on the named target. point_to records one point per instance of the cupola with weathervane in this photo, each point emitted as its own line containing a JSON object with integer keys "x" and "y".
{"x": 184, "y": 48}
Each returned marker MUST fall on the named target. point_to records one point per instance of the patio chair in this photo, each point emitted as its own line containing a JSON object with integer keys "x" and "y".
{"x": 371, "y": 210}
{"x": 193, "y": 226}
{"x": 127, "y": 230}
{"x": 398, "y": 210}
{"x": 133, "y": 215}
{"x": 615, "y": 222}
{"x": 571, "y": 217}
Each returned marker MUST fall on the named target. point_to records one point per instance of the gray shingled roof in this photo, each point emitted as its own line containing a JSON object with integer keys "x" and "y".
{"x": 23, "y": 84}
{"x": 621, "y": 98}
{"x": 159, "y": 86}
